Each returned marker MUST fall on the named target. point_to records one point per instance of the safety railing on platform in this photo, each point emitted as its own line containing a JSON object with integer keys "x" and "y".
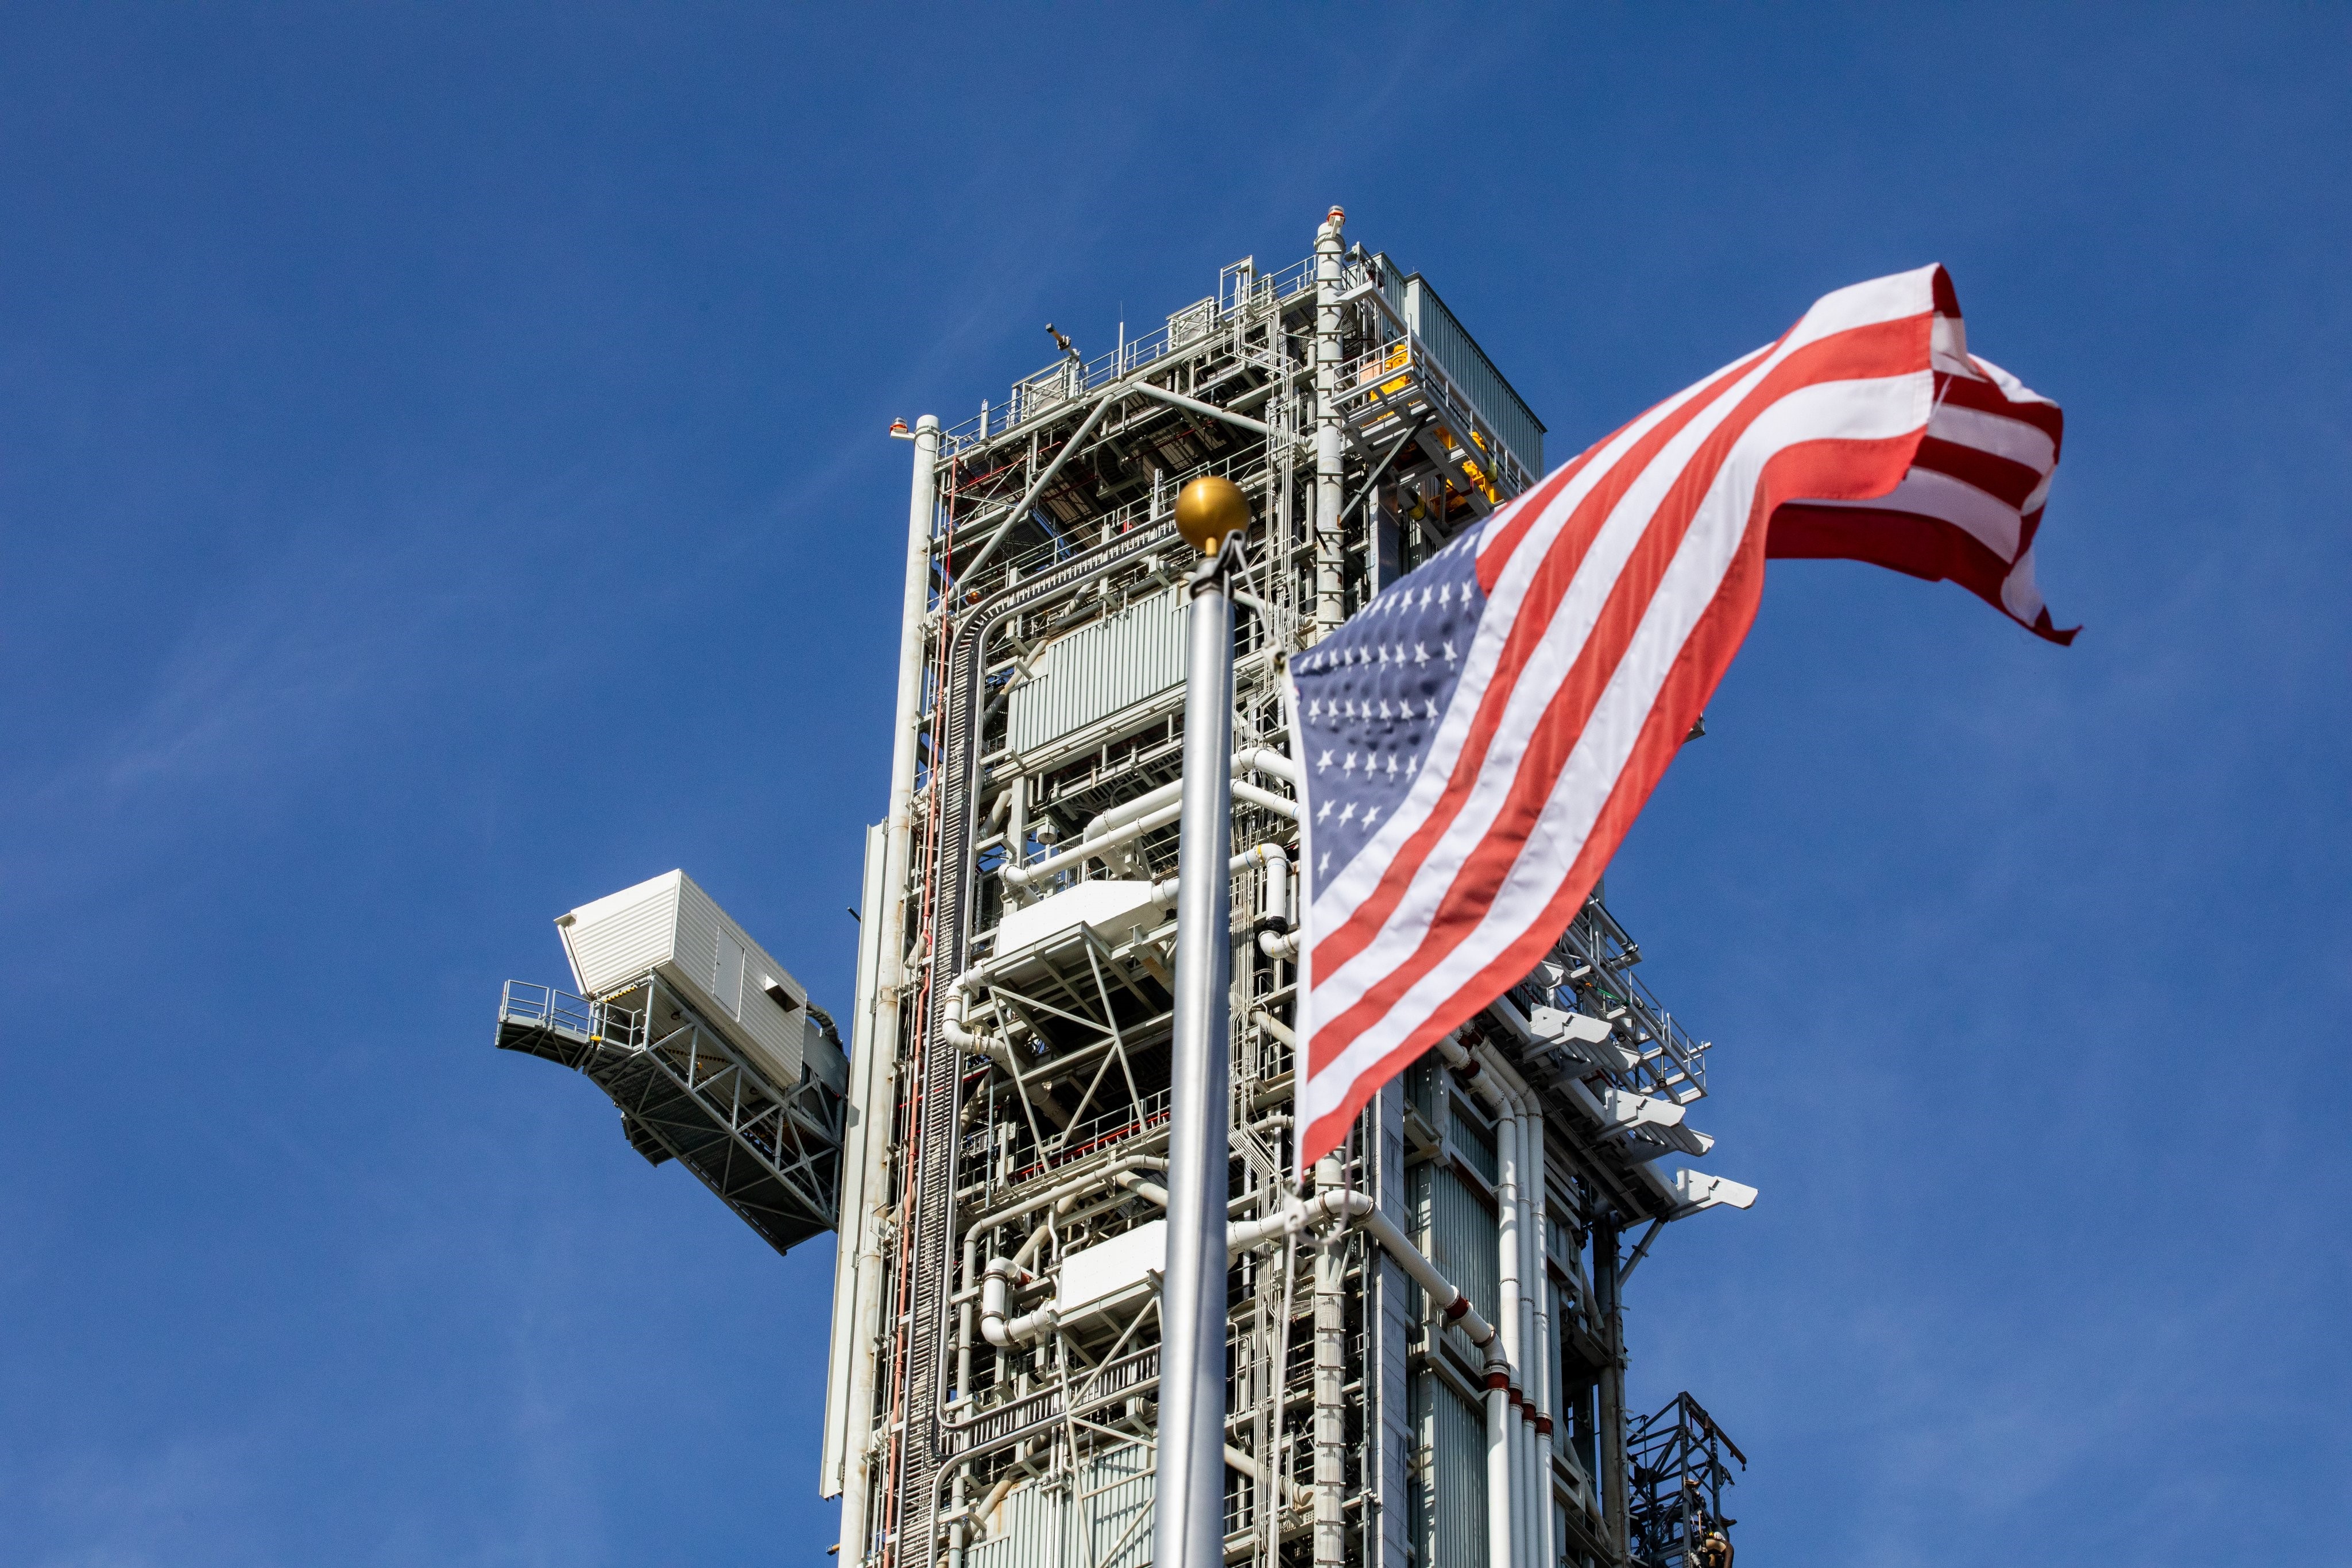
{"x": 544, "y": 1005}
{"x": 1071, "y": 377}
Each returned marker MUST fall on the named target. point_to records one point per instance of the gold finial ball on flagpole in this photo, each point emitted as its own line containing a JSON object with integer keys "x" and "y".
{"x": 1208, "y": 509}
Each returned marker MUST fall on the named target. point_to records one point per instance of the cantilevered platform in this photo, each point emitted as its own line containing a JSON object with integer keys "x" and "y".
{"x": 772, "y": 1152}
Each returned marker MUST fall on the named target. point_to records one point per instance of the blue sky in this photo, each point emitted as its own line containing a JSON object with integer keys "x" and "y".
{"x": 442, "y": 480}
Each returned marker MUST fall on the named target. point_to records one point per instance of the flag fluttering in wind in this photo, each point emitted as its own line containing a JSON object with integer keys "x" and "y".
{"x": 1476, "y": 741}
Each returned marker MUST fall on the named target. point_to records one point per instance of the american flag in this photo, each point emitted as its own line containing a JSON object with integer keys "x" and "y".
{"x": 1476, "y": 741}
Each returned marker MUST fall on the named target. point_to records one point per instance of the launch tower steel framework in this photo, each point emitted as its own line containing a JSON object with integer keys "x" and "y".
{"x": 994, "y": 1354}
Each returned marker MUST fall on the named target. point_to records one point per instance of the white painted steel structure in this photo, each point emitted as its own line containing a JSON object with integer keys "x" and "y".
{"x": 1424, "y": 1351}
{"x": 668, "y": 925}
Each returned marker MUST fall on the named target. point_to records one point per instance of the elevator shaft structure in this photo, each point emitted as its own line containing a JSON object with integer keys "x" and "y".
{"x": 1425, "y": 1352}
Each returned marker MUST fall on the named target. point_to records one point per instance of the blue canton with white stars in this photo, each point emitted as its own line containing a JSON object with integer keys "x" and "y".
{"x": 1370, "y": 698}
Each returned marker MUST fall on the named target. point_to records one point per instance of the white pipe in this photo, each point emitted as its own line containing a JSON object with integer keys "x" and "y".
{"x": 1270, "y": 856}
{"x": 1280, "y": 805}
{"x": 1445, "y": 1299}
{"x": 1520, "y": 1105}
{"x": 994, "y": 1327}
{"x": 1498, "y": 1462}
{"x": 1075, "y": 1186}
{"x": 1276, "y": 865}
{"x": 1264, "y": 759}
{"x": 1547, "y": 1338}
{"x": 1330, "y": 557}
{"x": 1090, "y": 848}
{"x": 1509, "y": 1311}
{"x": 1330, "y": 1417}
{"x": 1016, "y": 830}
{"x": 1130, "y": 820}
{"x": 1505, "y": 1093}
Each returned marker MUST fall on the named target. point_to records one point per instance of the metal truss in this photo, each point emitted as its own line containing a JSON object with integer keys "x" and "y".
{"x": 1676, "y": 1474}
{"x": 772, "y": 1152}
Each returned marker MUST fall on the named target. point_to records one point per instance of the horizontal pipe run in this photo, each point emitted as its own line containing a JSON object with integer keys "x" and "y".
{"x": 1130, "y": 820}
{"x": 1356, "y": 1208}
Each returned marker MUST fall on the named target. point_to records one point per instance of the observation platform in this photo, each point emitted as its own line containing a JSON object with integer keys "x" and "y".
{"x": 772, "y": 1152}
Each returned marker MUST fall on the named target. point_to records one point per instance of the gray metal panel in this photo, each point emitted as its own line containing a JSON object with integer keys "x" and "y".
{"x": 1104, "y": 1518}
{"x": 1386, "y": 1358}
{"x": 1476, "y": 1144}
{"x": 1461, "y": 1240}
{"x": 1474, "y": 373}
{"x": 1456, "y": 1506}
{"x": 1101, "y": 668}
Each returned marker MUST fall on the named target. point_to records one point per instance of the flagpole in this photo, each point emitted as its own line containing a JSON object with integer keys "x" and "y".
{"x": 1189, "y": 1517}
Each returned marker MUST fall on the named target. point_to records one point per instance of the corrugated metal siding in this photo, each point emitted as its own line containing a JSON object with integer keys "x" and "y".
{"x": 1460, "y": 1231}
{"x": 670, "y": 924}
{"x": 619, "y": 937}
{"x": 720, "y": 956}
{"x": 1042, "y": 1525}
{"x": 1476, "y": 1144}
{"x": 1456, "y": 1506}
{"x": 1474, "y": 373}
{"x": 1099, "y": 669}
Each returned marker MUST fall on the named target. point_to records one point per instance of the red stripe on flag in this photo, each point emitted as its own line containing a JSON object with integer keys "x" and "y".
{"x": 1549, "y": 585}
{"x": 1877, "y": 350}
{"x": 1698, "y": 669}
{"x": 1922, "y": 547}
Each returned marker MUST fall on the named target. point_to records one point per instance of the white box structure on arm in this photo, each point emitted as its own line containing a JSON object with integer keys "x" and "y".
{"x": 671, "y": 927}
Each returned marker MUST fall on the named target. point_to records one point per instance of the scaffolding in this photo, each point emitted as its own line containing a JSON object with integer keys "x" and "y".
{"x": 992, "y": 1393}
{"x": 1677, "y": 1475}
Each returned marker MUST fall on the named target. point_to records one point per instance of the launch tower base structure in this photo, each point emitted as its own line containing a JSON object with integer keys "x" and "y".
{"x": 996, "y": 1352}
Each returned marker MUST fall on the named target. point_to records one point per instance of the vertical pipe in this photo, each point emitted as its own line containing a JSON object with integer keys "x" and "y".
{"x": 961, "y": 1534}
{"x": 922, "y": 498}
{"x": 1330, "y": 605}
{"x": 1506, "y": 1314}
{"x": 1499, "y": 1419}
{"x": 1531, "y": 1491}
{"x": 1331, "y": 1385}
{"x": 861, "y": 1127}
{"x": 1016, "y": 830}
{"x": 963, "y": 1317}
{"x": 1546, "y": 1360}
{"x": 1613, "y": 1381}
{"x": 1189, "y": 1516}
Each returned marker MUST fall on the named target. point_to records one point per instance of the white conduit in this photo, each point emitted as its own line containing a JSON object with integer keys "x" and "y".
{"x": 1547, "y": 1341}
{"x": 1450, "y": 1305}
{"x": 1509, "y": 1311}
{"x": 994, "y": 1327}
{"x": 1507, "y": 1488}
{"x": 1130, "y": 820}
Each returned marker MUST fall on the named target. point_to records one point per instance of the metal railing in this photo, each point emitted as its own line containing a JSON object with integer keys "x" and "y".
{"x": 589, "y": 1020}
{"x": 1241, "y": 292}
{"x": 1371, "y": 384}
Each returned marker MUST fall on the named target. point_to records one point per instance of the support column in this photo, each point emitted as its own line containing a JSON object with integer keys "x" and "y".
{"x": 1509, "y": 1325}
{"x": 1330, "y": 548}
{"x": 875, "y": 1079}
{"x": 1330, "y": 1384}
{"x": 1612, "y": 1381}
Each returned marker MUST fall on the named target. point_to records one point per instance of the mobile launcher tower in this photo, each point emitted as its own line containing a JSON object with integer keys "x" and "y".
{"x": 995, "y": 1144}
